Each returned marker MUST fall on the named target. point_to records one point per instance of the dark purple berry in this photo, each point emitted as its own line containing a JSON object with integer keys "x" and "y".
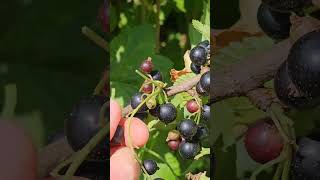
{"x": 202, "y": 133}
{"x": 200, "y": 90}
{"x": 205, "y": 81}
{"x": 188, "y": 150}
{"x": 192, "y": 106}
{"x": 150, "y": 166}
{"x": 304, "y": 66}
{"x": 195, "y": 68}
{"x": 136, "y": 100}
{"x": 198, "y": 55}
{"x": 155, "y": 111}
{"x": 205, "y": 44}
{"x": 275, "y": 24}
{"x": 287, "y": 5}
{"x": 146, "y": 66}
{"x": 206, "y": 112}
{"x": 187, "y": 128}
{"x": 118, "y": 137}
{"x": 141, "y": 115}
{"x": 167, "y": 113}
{"x": 156, "y": 75}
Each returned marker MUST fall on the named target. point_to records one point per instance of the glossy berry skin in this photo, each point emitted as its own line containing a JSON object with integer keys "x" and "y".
{"x": 286, "y": 91}
{"x": 188, "y": 150}
{"x": 174, "y": 145}
{"x": 287, "y": 5}
{"x": 141, "y": 115}
{"x": 195, "y": 68}
{"x": 202, "y": 133}
{"x": 146, "y": 66}
{"x": 200, "y": 90}
{"x": 83, "y": 122}
{"x": 167, "y": 113}
{"x": 156, "y": 75}
{"x": 136, "y": 100}
{"x": 205, "y": 81}
{"x": 275, "y": 24}
{"x": 304, "y": 65}
{"x": 198, "y": 55}
{"x": 205, "y": 44}
{"x": 306, "y": 164}
{"x": 147, "y": 88}
{"x": 192, "y": 106}
{"x": 206, "y": 112}
{"x": 150, "y": 166}
{"x": 263, "y": 142}
{"x": 118, "y": 137}
{"x": 155, "y": 111}
{"x": 187, "y": 128}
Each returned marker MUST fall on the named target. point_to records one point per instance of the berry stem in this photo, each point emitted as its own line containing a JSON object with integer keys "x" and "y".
{"x": 287, "y": 163}
{"x": 81, "y": 155}
{"x": 98, "y": 89}
{"x": 278, "y": 172}
{"x": 155, "y": 154}
{"x": 10, "y": 100}
{"x": 93, "y": 36}
{"x": 279, "y": 127}
{"x": 150, "y": 79}
{"x": 56, "y": 170}
{"x": 266, "y": 166}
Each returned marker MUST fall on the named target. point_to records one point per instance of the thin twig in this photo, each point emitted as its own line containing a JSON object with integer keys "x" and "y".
{"x": 93, "y": 36}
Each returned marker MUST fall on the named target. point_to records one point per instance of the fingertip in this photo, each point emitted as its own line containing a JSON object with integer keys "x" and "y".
{"x": 139, "y": 132}
{"x": 115, "y": 116}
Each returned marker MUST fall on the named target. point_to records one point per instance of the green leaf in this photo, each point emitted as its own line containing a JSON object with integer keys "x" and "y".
{"x": 204, "y": 29}
{"x": 194, "y": 36}
{"x": 203, "y": 152}
{"x": 180, "y": 5}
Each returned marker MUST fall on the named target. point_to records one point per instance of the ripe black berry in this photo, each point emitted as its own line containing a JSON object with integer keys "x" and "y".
{"x": 188, "y": 150}
{"x": 205, "y": 81}
{"x": 202, "y": 133}
{"x": 275, "y": 24}
{"x": 306, "y": 163}
{"x": 147, "y": 88}
{"x": 187, "y": 128}
{"x": 206, "y": 112}
{"x": 141, "y": 115}
{"x": 84, "y": 121}
{"x": 198, "y": 55}
{"x": 195, "y": 68}
{"x": 150, "y": 166}
{"x": 200, "y": 90}
{"x": 146, "y": 66}
{"x": 56, "y": 136}
{"x": 155, "y": 111}
{"x": 286, "y": 91}
{"x": 167, "y": 113}
{"x": 192, "y": 106}
{"x": 287, "y": 5}
{"x": 263, "y": 141}
{"x": 156, "y": 75}
{"x": 136, "y": 100}
{"x": 117, "y": 139}
{"x": 304, "y": 65}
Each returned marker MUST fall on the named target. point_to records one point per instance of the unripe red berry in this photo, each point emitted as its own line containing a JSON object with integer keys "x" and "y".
{"x": 192, "y": 106}
{"x": 146, "y": 66}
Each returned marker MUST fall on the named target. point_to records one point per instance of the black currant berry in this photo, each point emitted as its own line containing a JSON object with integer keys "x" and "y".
{"x": 167, "y": 113}
{"x": 195, "y": 68}
{"x": 156, "y": 75}
{"x": 200, "y": 90}
{"x": 263, "y": 141}
{"x": 192, "y": 106}
{"x": 136, "y": 100}
{"x": 286, "y": 91}
{"x": 150, "y": 166}
{"x": 205, "y": 81}
{"x": 84, "y": 121}
{"x": 275, "y": 24}
{"x": 155, "y": 111}
{"x": 287, "y": 5}
{"x": 141, "y": 115}
{"x": 202, "y": 133}
{"x": 306, "y": 164}
{"x": 187, "y": 128}
{"x": 198, "y": 55}
{"x": 304, "y": 65}
{"x": 205, "y": 44}
{"x": 188, "y": 150}
{"x": 206, "y": 112}
{"x": 118, "y": 137}
{"x": 146, "y": 66}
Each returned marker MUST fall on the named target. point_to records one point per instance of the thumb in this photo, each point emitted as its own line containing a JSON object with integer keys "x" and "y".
{"x": 115, "y": 116}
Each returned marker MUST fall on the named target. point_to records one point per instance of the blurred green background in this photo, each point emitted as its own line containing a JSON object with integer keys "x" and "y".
{"x": 43, "y": 51}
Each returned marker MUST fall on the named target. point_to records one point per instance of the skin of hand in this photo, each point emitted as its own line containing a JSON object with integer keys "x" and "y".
{"x": 123, "y": 165}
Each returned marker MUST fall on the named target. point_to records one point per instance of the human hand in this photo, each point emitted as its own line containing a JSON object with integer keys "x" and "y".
{"x": 123, "y": 165}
